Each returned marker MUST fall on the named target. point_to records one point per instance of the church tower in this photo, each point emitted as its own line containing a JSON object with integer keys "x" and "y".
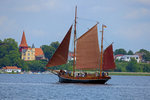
{"x": 23, "y": 44}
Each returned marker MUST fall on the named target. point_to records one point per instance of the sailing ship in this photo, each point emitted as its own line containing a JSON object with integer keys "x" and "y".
{"x": 87, "y": 56}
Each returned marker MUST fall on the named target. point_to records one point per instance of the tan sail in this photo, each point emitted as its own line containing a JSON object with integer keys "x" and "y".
{"x": 87, "y": 50}
{"x": 108, "y": 59}
{"x": 61, "y": 55}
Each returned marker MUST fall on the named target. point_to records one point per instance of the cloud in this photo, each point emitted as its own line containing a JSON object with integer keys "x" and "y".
{"x": 102, "y": 9}
{"x": 2, "y": 20}
{"x": 132, "y": 36}
{"x": 7, "y": 27}
{"x": 40, "y": 6}
{"x": 135, "y": 31}
{"x": 38, "y": 33}
{"x": 138, "y": 13}
{"x": 146, "y": 2}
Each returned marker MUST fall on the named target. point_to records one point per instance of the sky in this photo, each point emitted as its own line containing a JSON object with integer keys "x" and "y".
{"x": 46, "y": 21}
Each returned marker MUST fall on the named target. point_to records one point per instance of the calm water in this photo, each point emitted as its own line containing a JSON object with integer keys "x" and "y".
{"x": 46, "y": 87}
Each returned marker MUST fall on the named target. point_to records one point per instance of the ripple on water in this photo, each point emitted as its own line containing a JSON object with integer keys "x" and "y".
{"x": 24, "y": 86}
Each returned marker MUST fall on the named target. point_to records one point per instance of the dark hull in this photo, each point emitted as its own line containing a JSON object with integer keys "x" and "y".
{"x": 92, "y": 81}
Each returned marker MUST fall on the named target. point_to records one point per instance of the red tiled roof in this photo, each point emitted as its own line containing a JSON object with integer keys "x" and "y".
{"x": 29, "y": 48}
{"x": 23, "y": 41}
{"x": 118, "y": 55}
{"x": 38, "y": 52}
{"x": 11, "y": 67}
{"x": 71, "y": 54}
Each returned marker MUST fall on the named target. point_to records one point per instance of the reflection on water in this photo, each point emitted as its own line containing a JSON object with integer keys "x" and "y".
{"x": 47, "y": 87}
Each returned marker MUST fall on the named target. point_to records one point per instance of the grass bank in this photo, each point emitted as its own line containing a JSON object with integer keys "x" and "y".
{"x": 130, "y": 73}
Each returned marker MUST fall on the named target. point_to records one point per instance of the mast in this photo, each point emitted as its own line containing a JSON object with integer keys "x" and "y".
{"x": 101, "y": 60}
{"x": 74, "y": 41}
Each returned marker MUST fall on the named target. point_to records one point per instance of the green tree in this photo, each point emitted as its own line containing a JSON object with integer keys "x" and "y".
{"x": 50, "y": 50}
{"x": 11, "y": 44}
{"x": 9, "y": 53}
{"x": 120, "y": 66}
{"x": 130, "y": 52}
{"x": 22, "y": 64}
{"x": 133, "y": 66}
{"x": 120, "y": 51}
{"x": 3, "y": 50}
{"x": 36, "y": 66}
{"x": 146, "y": 67}
{"x": 55, "y": 44}
{"x": 145, "y": 54}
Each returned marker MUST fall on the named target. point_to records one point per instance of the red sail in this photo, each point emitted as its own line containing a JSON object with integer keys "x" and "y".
{"x": 61, "y": 55}
{"x": 87, "y": 51}
{"x": 108, "y": 59}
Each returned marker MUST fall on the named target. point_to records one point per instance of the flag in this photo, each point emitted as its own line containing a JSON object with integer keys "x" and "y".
{"x": 104, "y": 26}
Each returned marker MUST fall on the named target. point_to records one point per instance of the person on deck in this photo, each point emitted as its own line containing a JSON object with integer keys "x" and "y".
{"x": 103, "y": 73}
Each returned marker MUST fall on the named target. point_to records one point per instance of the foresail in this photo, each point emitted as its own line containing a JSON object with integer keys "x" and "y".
{"x": 87, "y": 50}
{"x": 108, "y": 59}
{"x": 61, "y": 55}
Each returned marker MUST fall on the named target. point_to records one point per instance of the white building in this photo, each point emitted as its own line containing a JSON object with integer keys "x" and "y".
{"x": 118, "y": 57}
{"x": 128, "y": 57}
{"x": 70, "y": 56}
{"x": 11, "y": 69}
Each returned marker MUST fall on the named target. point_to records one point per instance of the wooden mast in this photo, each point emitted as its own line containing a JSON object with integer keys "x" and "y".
{"x": 101, "y": 61}
{"x": 74, "y": 42}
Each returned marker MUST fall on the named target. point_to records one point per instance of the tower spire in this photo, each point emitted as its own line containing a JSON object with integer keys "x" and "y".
{"x": 23, "y": 44}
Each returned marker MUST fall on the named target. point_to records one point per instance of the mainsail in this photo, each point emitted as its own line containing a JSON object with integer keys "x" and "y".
{"x": 61, "y": 55}
{"x": 108, "y": 59}
{"x": 87, "y": 50}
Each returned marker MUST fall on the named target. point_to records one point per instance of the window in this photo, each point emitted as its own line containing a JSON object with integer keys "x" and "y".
{"x": 28, "y": 57}
{"x": 136, "y": 57}
{"x": 127, "y": 57}
{"x": 28, "y": 54}
{"x": 24, "y": 54}
{"x": 24, "y": 58}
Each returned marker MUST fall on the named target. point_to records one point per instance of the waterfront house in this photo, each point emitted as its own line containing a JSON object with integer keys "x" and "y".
{"x": 11, "y": 69}
{"x": 118, "y": 57}
{"x": 127, "y": 57}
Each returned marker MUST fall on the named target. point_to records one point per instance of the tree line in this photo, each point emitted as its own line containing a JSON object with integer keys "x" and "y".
{"x": 144, "y": 53}
{"x": 132, "y": 65}
{"x": 10, "y": 56}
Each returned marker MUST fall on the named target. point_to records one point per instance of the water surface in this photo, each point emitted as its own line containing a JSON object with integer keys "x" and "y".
{"x": 47, "y": 87}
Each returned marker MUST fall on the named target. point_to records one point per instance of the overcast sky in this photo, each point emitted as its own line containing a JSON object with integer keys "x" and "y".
{"x": 46, "y": 21}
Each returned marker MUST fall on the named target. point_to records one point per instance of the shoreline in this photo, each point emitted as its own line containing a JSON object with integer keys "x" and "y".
{"x": 110, "y": 73}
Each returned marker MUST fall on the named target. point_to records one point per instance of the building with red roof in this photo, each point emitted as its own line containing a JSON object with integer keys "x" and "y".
{"x": 32, "y": 54}
{"x": 71, "y": 56}
{"x": 11, "y": 69}
{"x": 28, "y": 53}
{"x": 118, "y": 56}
